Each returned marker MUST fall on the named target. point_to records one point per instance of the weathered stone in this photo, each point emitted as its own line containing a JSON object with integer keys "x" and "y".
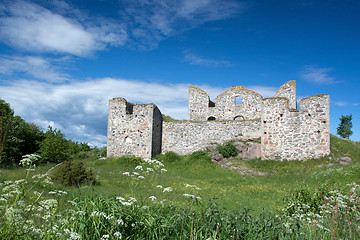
{"x": 240, "y": 147}
{"x": 217, "y": 157}
{"x": 286, "y": 133}
{"x": 253, "y": 151}
{"x": 346, "y": 159}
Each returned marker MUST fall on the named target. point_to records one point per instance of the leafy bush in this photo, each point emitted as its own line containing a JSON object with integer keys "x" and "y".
{"x": 168, "y": 157}
{"x": 73, "y": 174}
{"x": 227, "y": 150}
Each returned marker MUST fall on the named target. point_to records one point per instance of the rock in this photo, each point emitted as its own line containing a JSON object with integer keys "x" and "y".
{"x": 346, "y": 159}
{"x": 344, "y": 163}
{"x": 240, "y": 146}
{"x": 249, "y": 138}
{"x": 253, "y": 151}
{"x": 216, "y": 157}
{"x": 226, "y": 165}
{"x": 211, "y": 147}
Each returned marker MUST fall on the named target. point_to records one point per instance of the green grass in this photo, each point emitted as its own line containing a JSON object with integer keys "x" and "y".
{"x": 230, "y": 191}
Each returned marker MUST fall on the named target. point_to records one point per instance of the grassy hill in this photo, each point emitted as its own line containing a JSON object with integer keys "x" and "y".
{"x": 186, "y": 188}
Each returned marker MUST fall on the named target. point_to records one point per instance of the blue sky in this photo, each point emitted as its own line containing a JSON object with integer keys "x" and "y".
{"x": 61, "y": 61}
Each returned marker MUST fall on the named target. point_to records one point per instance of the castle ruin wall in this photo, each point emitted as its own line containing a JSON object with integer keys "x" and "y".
{"x": 133, "y": 129}
{"x": 185, "y": 137}
{"x": 295, "y": 135}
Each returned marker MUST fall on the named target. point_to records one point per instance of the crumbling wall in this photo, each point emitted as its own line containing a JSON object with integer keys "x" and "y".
{"x": 227, "y": 109}
{"x": 199, "y": 102}
{"x": 201, "y": 108}
{"x": 184, "y": 137}
{"x": 133, "y": 129}
{"x": 288, "y": 91}
{"x": 295, "y": 135}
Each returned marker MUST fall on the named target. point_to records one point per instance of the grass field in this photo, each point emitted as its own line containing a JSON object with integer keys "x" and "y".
{"x": 183, "y": 189}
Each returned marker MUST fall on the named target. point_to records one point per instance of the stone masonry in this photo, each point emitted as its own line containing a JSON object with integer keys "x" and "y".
{"x": 286, "y": 133}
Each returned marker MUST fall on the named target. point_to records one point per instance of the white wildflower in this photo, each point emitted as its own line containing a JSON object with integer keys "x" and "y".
{"x": 126, "y": 173}
{"x": 153, "y": 198}
{"x": 159, "y": 186}
{"x": 149, "y": 169}
{"x": 117, "y": 235}
{"x": 168, "y": 189}
{"x": 120, "y": 221}
{"x": 163, "y": 170}
{"x": 139, "y": 167}
{"x": 120, "y": 198}
{"x": 106, "y": 236}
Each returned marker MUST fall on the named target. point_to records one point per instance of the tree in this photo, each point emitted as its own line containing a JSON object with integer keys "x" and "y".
{"x": 345, "y": 125}
{"x": 54, "y": 148}
{"x": 23, "y": 138}
{"x": 6, "y": 115}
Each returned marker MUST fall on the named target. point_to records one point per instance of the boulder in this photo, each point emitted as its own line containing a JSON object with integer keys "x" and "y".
{"x": 253, "y": 151}
{"x": 216, "y": 157}
{"x": 240, "y": 147}
{"x": 346, "y": 159}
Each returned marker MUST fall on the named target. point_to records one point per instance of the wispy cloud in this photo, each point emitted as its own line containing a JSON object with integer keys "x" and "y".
{"x": 345, "y": 104}
{"x": 80, "y": 109}
{"x": 197, "y": 60}
{"x": 152, "y": 21}
{"x": 36, "y": 67}
{"x": 317, "y": 75}
{"x": 32, "y": 27}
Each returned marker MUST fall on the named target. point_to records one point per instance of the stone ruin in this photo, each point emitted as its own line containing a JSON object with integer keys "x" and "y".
{"x": 285, "y": 131}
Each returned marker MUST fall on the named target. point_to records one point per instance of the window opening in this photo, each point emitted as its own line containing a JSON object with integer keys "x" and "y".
{"x": 211, "y": 118}
{"x": 238, "y": 100}
{"x": 239, "y": 118}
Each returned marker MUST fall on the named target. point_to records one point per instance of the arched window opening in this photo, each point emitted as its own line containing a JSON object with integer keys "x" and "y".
{"x": 239, "y": 118}
{"x": 238, "y": 100}
{"x": 211, "y": 118}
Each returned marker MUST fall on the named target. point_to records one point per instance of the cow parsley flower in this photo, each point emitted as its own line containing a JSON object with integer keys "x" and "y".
{"x": 168, "y": 189}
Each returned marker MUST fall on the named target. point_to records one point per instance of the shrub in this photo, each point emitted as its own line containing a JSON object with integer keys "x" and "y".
{"x": 73, "y": 174}
{"x": 227, "y": 150}
{"x": 168, "y": 157}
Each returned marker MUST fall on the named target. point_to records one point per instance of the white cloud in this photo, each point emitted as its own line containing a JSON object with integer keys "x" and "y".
{"x": 317, "y": 75}
{"x": 32, "y": 27}
{"x": 79, "y": 109}
{"x": 34, "y": 66}
{"x": 151, "y": 20}
{"x": 196, "y": 60}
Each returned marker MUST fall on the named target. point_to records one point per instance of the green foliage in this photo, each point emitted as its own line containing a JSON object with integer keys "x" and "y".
{"x": 22, "y": 137}
{"x": 168, "y": 157}
{"x": 166, "y": 118}
{"x": 227, "y": 150}
{"x": 54, "y": 148}
{"x": 6, "y": 114}
{"x": 73, "y": 174}
{"x": 345, "y": 125}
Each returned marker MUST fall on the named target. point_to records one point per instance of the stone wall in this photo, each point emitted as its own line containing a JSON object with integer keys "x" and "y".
{"x": 201, "y": 108}
{"x": 286, "y": 133}
{"x": 288, "y": 91}
{"x": 133, "y": 129}
{"x": 199, "y": 102}
{"x": 184, "y": 137}
{"x": 295, "y": 135}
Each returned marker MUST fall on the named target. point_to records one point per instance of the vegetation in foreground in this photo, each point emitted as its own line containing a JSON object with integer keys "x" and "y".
{"x": 184, "y": 197}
